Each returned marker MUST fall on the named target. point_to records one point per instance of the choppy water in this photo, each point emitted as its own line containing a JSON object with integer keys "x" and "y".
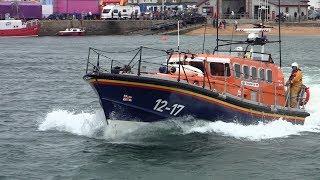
{"x": 52, "y": 127}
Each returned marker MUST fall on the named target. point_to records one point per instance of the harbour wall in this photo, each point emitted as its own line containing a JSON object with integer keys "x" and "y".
{"x": 97, "y": 27}
{"x": 117, "y": 27}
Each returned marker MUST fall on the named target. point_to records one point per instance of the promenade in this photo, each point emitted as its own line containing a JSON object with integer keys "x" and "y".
{"x": 304, "y": 28}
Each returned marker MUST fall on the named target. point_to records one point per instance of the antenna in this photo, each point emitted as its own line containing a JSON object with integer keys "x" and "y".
{"x": 204, "y": 37}
{"x": 217, "y": 25}
{"x": 179, "y": 37}
{"x": 279, "y": 33}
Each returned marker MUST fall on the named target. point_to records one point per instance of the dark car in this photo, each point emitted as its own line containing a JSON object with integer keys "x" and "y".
{"x": 54, "y": 17}
{"x": 314, "y": 15}
{"x": 193, "y": 18}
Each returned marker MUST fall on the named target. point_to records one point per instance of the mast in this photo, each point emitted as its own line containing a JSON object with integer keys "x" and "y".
{"x": 279, "y": 34}
{"x": 179, "y": 36}
{"x": 263, "y": 17}
{"x": 217, "y": 24}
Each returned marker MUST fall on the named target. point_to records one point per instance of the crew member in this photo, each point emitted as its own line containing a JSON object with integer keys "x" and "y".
{"x": 295, "y": 82}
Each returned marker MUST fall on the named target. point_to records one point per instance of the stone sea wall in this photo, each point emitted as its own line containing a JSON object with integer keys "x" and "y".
{"x": 97, "y": 27}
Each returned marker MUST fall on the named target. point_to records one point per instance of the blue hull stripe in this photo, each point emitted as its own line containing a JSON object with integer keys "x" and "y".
{"x": 105, "y": 83}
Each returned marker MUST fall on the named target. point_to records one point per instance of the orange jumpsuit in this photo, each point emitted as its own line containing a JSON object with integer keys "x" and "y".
{"x": 296, "y": 82}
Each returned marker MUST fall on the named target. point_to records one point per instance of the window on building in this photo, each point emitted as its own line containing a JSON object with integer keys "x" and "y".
{"x": 269, "y": 76}
{"x": 237, "y": 70}
{"x": 218, "y": 69}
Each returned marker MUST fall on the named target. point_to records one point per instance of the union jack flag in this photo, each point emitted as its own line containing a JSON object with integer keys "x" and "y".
{"x": 127, "y": 98}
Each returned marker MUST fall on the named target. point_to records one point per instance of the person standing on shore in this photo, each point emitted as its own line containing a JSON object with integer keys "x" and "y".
{"x": 135, "y": 14}
{"x": 295, "y": 15}
{"x": 232, "y": 14}
{"x": 214, "y": 22}
{"x": 235, "y": 24}
{"x": 90, "y": 15}
{"x": 119, "y": 15}
{"x": 224, "y": 23}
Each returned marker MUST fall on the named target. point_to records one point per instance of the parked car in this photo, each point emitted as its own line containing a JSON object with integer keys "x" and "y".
{"x": 54, "y": 17}
{"x": 193, "y": 18}
{"x": 63, "y": 16}
{"x": 314, "y": 15}
{"x": 282, "y": 18}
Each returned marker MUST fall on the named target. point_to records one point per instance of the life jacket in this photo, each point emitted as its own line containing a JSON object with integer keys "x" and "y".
{"x": 296, "y": 80}
{"x": 293, "y": 74}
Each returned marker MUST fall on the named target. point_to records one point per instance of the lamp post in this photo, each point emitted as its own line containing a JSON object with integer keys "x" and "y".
{"x": 299, "y": 12}
{"x": 162, "y": 4}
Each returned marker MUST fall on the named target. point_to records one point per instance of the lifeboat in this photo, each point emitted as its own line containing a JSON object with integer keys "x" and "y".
{"x": 242, "y": 85}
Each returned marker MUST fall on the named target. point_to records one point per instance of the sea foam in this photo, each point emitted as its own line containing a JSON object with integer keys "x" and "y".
{"x": 94, "y": 125}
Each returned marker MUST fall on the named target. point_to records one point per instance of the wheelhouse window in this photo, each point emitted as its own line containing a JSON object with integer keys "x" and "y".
{"x": 237, "y": 70}
{"x": 219, "y": 69}
{"x": 197, "y": 64}
{"x": 269, "y": 76}
{"x": 261, "y": 75}
{"x": 254, "y": 73}
{"x": 245, "y": 71}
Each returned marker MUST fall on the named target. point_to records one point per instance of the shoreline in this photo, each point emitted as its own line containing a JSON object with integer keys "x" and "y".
{"x": 285, "y": 30}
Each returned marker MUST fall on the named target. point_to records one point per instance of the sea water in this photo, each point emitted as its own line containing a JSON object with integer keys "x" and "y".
{"x": 52, "y": 126}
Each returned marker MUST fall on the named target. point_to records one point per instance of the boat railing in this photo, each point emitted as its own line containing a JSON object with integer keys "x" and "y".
{"x": 298, "y": 98}
{"x": 257, "y": 56}
{"x": 112, "y": 61}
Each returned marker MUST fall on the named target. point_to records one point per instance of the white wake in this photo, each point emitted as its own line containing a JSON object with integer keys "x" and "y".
{"x": 94, "y": 125}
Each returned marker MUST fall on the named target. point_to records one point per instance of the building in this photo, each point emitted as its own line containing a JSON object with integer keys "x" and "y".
{"x": 76, "y": 6}
{"x": 253, "y": 9}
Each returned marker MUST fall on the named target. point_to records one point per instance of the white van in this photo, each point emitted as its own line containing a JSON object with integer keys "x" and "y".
{"x": 126, "y": 12}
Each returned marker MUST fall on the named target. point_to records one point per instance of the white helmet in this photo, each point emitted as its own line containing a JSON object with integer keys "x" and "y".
{"x": 295, "y": 64}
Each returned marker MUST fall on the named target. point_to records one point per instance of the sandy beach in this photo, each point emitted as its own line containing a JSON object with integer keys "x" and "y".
{"x": 301, "y": 30}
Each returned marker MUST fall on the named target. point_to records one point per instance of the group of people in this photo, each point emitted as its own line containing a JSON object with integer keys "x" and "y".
{"x": 220, "y": 24}
{"x": 287, "y": 16}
